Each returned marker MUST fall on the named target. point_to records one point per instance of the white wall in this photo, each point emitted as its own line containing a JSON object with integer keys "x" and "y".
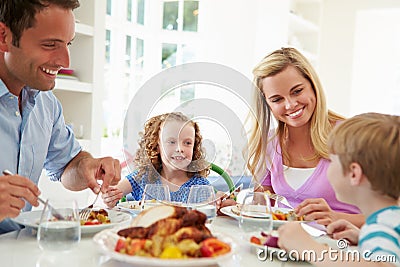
{"x": 239, "y": 33}
{"x": 337, "y": 45}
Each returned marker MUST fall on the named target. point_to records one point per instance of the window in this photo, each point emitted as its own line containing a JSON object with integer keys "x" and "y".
{"x": 190, "y": 15}
{"x": 128, "y": 48}
{"x": 170, "y": 17}
{"x": 129, "y": 10}
{"x": 108, "y": 39}
{"x": 139, "y": 53}
{"x": 130, "y": 56}
{"x": 140, "y": 12}
{"x": 108, "y": 9}
{"x": 168, "y": 55}
{"x": 180, "y": 15}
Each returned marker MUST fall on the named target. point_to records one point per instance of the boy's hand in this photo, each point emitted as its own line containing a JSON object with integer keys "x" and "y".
{"x": 293, "y": 237}
{"x": 344, "y": 229}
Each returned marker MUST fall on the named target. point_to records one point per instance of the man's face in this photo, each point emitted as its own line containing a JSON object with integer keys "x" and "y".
{"x": 42, "y": 52}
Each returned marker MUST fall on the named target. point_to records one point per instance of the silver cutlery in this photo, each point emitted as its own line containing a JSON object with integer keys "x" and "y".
{"x": 280, "y": 199}
{"x": 85, "y": 213}
{"x": 53, "y": 211}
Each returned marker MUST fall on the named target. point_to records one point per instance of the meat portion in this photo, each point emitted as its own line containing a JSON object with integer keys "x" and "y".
{"x": 193, "y": 233}
{"x": 180, "y": 224}
{"x": 164, "y": 227}
{"x": 193, "y": 218}
{"x": 134, "y": 232}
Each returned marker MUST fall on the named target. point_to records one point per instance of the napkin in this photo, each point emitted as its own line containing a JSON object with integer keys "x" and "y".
{"x": 314, "y": 229}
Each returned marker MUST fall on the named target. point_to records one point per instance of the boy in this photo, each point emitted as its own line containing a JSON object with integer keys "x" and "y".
{"x": 364, "y": 171}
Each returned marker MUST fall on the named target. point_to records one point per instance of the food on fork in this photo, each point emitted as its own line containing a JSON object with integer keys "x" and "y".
{"x": 97, "y": 217}
{"x": 170, "y": 232}
{"x": 278, "y": 215}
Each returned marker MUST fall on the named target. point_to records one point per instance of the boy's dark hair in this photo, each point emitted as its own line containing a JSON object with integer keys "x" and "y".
{"x": 19, "y": 15}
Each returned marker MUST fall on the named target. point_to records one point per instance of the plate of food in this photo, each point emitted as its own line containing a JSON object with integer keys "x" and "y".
{"x": 279, "y": 215}
{"x": 166, "y": 236}
{"x": 99, "y": 220}
{"x": 266, "y": 247}
{"x": 130, "y": 206}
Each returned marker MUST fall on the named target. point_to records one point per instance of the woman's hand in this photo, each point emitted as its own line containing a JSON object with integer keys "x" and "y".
{"x": 111, "y": 197}
{"x": 223, "y": 200}
{"x": 316, "y": 209}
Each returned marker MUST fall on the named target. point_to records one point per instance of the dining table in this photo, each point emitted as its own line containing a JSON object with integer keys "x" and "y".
{"x": 20, "y": 248}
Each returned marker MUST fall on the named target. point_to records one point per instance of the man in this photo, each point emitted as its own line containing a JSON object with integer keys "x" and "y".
{"x": 34, "y": 40}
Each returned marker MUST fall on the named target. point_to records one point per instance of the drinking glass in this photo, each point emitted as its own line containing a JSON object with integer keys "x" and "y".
{"x": 59, "y": 234}
{"x": 255, "y": 214}
{"x": 155, "y": 194}
{"x": 202, "y": 198}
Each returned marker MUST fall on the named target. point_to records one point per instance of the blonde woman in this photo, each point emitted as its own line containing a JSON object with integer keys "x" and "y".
{"x": 292, "y": 159}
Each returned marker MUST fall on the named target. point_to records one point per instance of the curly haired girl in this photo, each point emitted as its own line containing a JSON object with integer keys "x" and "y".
{"x": 170, "y": 152}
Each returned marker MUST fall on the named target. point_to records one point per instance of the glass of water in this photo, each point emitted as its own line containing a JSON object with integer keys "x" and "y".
{"x": 255, "y": 214}
{"x": 202, "y": 198}
{"x": 59, "y": 233}
{"x": 155, "y": 194}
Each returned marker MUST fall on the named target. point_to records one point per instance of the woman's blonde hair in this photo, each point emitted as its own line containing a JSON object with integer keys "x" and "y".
{"x": 148, "y": 158}
{"x": 322, "y": 120}
{"x": 373, "y": 141}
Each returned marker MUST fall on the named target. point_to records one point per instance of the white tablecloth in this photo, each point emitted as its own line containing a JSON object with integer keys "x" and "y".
{"x": 20, "y": 249}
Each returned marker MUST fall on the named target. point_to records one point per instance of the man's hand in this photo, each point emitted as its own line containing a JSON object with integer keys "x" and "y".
{"x": 84, "y": 171}
{"x": 13, "y": 190}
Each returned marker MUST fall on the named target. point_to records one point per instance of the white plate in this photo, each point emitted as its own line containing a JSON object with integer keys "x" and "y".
{"x": 276, "y": 223}
{"x": 130, "y": 206}
{"x": 107, "y": 239}
{"x": 117, "y": 218}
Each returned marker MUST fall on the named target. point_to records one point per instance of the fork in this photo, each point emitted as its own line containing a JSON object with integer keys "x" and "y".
{"x": 280, "y": 199}
{"x": 53, "y": 211}
{"x": 85, "y": 213}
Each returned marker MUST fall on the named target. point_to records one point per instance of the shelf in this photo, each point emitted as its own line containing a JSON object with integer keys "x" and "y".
{"x": 84, "y": 29}
{"x": 73, "y": 86}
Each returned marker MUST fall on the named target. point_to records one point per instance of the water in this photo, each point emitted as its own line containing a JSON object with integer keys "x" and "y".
{"x": 255, "y": 221}
{"x": 59, "y": 235}
{"x": 210, "y": 211}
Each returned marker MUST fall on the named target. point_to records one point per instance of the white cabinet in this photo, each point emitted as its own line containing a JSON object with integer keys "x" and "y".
{"x": 82, "y": 98}
{"x": 304, "y": 27}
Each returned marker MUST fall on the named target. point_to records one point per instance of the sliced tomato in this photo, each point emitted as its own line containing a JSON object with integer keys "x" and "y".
{"x": 215, "y": 246}
{"x": 135, "y": 245}
{"x": 94, "y": 222}
{"x": 121, "y": 244}
{"x": 255, "y": 240}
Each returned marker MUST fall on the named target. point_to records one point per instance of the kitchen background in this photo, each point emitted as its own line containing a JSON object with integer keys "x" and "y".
{"x": 121, "y": 44}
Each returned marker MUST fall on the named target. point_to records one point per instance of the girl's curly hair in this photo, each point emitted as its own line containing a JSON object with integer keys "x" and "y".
{"x": 148, "y": 158}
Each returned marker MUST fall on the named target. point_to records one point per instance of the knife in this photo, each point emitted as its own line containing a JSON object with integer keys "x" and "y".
{"x": 53, "y": 211}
